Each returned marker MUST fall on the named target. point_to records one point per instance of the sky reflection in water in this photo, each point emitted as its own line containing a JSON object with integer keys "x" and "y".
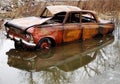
{"x": 60, "y": 65}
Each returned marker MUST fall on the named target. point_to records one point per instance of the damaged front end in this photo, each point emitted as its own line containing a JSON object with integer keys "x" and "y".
{"x": 16, "y": 30}
{"x": 19, "y": 36}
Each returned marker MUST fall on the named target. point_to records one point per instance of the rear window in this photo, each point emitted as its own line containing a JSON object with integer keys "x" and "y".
{"x": 88, "y": 17}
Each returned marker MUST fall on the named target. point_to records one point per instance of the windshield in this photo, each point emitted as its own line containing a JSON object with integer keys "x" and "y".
{"x": 46, "y": 13}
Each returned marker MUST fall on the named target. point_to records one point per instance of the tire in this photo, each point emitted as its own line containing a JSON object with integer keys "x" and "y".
{"x": 17, "y": 45}
{"x": 44, "y": 43}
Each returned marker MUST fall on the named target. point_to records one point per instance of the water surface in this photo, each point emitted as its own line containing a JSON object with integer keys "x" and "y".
{"x": 73, "y": 63}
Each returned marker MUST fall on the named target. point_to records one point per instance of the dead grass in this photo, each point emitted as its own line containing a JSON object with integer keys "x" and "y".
{"x": 107, "y": 7}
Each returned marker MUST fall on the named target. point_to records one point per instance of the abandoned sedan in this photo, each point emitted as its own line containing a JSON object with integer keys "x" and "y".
{"x": 56, "y": 25}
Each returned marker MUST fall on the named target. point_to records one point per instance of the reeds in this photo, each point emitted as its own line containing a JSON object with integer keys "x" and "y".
{"x": 107, "y": 7}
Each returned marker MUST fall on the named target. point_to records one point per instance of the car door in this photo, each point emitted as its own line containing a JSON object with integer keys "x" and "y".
{"x": 89, "y": 25}
{"x": 72, "y": 27}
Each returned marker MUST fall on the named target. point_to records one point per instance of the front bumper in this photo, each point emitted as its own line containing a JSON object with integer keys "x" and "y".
{"x": 22, "y": 41}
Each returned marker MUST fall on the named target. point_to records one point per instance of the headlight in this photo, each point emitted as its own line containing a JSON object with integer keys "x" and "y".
{"x": 30, "y": 38}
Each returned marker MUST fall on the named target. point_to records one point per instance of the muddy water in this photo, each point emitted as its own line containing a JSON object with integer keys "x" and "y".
{"x": 73, "y": 63}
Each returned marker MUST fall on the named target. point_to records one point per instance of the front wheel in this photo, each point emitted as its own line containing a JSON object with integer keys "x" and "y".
{"x": 44, "y": 43}
{"x": 17, "y": 45}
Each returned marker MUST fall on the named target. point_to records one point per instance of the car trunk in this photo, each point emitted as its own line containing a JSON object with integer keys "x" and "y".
{"x": 105, "y": 26}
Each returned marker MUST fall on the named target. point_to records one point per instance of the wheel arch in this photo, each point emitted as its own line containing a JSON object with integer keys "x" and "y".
{"x": 52, "y": 41}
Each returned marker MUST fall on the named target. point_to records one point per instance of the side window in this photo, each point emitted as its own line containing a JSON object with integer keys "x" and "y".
{"x": 59, "y": 17}
{"x": 73, "y": 18}
{"x": 88, "y": 18}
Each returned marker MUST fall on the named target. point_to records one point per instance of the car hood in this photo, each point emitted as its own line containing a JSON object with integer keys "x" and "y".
{"x": 28, "y": 21}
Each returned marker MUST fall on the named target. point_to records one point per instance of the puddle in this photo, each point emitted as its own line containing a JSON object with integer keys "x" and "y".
{"x": 66, "y": 64}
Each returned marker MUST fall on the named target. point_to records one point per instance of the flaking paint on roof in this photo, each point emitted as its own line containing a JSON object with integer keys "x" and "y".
{"x": 62, "y": 8}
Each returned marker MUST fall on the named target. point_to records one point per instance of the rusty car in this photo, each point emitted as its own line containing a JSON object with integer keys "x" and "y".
{"x": 56, "y": 25}
{"x": 76, "y": 55}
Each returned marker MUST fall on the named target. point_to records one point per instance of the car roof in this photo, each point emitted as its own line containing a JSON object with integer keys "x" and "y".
{"x": 62, "y": 8}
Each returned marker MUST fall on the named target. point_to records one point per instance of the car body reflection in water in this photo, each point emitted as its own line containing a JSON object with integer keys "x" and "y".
{"x": 54, "y": 65}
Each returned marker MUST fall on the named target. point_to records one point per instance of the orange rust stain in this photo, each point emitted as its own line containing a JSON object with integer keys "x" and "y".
{"x": 71, "y": 35}
{"x": 89, "y": 31}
